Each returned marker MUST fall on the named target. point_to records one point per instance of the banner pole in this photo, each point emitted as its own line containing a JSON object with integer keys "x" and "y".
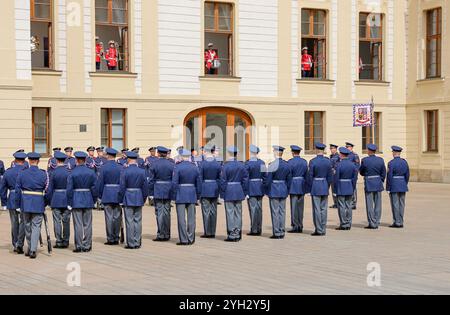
{"x": 373, "y": 121}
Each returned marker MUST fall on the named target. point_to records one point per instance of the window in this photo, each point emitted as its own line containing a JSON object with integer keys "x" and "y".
{"x": 434, "y": 36}
{"x": 367, "y": 133}
{"x": 113, "y": 128}
{"x": 219, "y": 26}
{"x": 370, "y": 46}
{"x": 432, "y": 117}
{"x": 112, "y": 37}
{"x": 313, "y": 130}
{"x": 314, "y": 60}
{"x": 41, "y": 130}
{"x": 41, "y": 34}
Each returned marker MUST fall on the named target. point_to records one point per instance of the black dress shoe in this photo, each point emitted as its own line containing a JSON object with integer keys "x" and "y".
{"x": 161, "y": 240}
{"x": 395, "y": 226}
{"x": 204, "y": 236}
{"x": 19, "y": 251}
{"x": 295, "y": 231}
{"x": 371, "y": 228}
{"x": 317, "y": 234}
{"x": 87, "y": 250}
{"x": 130, "y": 247}
{"x": 182, "y": 244}
{"x": 27, "y": 254}
{"x": 274, "y": 237}
{"x": 230, "y": 240}
{"x": 354, "y": 208}
{"x": 33, "y": 255}
{"x": 333, "y": 207}
{"x": 111, "y": 243}
{"x": 341, "y": 229}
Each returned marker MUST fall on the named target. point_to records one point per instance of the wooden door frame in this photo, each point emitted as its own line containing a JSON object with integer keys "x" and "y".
{"x": 230, "y": 113}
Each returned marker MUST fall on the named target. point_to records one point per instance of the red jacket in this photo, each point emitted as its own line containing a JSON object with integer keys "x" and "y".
{"x": 306, "y": 62}
{"x": 98, "y": 52}
{"x": 210, "y": 56}
{"x": 111, "y": 57}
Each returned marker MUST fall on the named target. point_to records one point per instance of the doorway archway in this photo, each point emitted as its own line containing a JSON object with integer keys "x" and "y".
{"x": 219, "y": 126}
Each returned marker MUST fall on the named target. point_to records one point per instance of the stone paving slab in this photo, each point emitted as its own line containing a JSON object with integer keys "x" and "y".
{"x": 415, "y": 260}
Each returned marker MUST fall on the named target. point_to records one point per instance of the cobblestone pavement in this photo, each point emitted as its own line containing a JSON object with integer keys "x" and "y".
{"x": 415, "y": 260}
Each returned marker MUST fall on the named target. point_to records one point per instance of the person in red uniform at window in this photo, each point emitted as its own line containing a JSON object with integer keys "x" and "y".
{"x": 307, "y": 62}
{"x": 98, "y": 53}
{"x": 210, "y": 55}
{"x": 112, "y": 56}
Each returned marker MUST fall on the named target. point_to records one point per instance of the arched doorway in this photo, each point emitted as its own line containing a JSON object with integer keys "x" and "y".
{"x": 219, "y": 126}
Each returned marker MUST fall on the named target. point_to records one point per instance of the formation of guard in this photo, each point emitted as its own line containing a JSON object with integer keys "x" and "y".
{"x": 72, "y": 185}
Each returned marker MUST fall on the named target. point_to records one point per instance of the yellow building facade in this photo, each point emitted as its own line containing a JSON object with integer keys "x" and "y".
{"x": 162, "y": 94}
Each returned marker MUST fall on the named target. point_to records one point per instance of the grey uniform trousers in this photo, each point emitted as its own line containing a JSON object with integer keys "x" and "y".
{"x": 113, "y": 222}
{"x": 373, "y": 208}
{"x": 82, "y": 226}
{"x": 17, "y": 228}
{"x": 345, "y": 204}
{"x": 398, "y": 207}
{"x": 133, "y": 224}
{"x": 162, "y": 211}
{"x": 297, "y": 211}
{"x": 61, "y": 226}
{"x": 33, "y": 222}
{"x": 355, "y": 198}
{"x": 256, "y": 215}
{"x": 278, "y": 214}
{"x": 209, "y": 212}
{"x": 320, "y": 213}
{"x": 186, "y": 223}
{"x": 233, "y": 213}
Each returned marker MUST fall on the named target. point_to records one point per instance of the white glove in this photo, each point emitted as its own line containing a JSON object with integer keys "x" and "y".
{"x": 151, "y": 197}
{"x": 18, "y": 210}
{"x": 4, "y": 209}
{"x": 247, "y": 197}
{"x": 99, "y": 201}
{"x": 69, "y": 208}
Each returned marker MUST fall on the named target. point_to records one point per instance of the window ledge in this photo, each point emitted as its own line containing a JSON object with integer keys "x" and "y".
{"x": 315, "y": 81}
{"x": 372, "y": 83}
{"x": 48, "y": 72}
{"x": 431, "y": 81}
{"x": 220, "y": 78}
{"x": 431, "y": 153}
{"x": 113, "y": 74}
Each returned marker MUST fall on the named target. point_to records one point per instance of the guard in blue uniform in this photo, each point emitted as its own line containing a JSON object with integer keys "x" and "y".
{"x": 151, "y": 158}
{"x": 57, "y": 198}
{"x": 133, "y": 193}
{"x": 279, "y": 179}
{"x": 187, "y": 187}
{"x": 14, "y": 164}
{"x": 160, "y": 180}
{"x": 81, "y": 196}
{"x": 52, "y": 162}
{"x": 122, "y": 161}
{"x": 334, "y": 158}
{"x": 320, "y": 177}
{"x": 233, "y": 187}
{"x": 397, "y": 186}
{"x": 257, "y": 173}
{"x": 210, "y": 177}
{"x": 345, "y": 181}
{"x": 354, "y": 157}
{"x": 298, "y": 188}
{"x": 2, "y": 168}
{"x": 108, "y": 192}
{"x": 70, "y": 162}
{"x": 31, "y": 187}
{"x": 90, "y": 160}
{"x": 100, "y": 160}
{"x": 9, "y": 202}
{"x": 140, "y": 161}
{"x": 373, "y": 170}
